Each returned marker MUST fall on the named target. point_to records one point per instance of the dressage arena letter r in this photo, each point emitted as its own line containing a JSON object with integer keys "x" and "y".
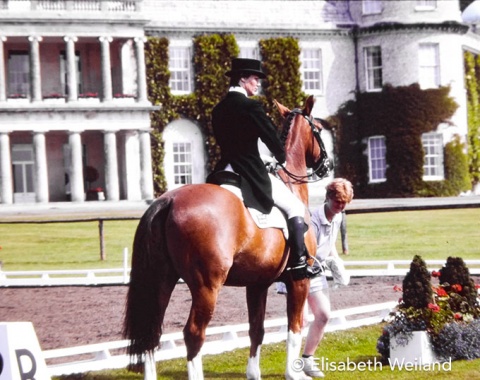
{"x": 26, "y": 375}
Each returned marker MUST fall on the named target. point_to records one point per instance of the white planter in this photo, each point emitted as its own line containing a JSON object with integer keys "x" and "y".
{"x": 418, "y": 350}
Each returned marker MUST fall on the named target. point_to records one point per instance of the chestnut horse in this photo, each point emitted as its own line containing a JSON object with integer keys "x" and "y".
{"x": 204, "y": 235}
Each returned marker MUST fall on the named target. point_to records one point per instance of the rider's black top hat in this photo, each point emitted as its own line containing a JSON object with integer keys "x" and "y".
{"x": 246, "y": 65}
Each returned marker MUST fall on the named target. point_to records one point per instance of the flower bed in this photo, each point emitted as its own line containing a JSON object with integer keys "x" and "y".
{"x": 447, "y": 310}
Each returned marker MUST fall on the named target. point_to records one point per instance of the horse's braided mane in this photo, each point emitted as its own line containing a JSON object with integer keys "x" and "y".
{"x": 287, "y": 123}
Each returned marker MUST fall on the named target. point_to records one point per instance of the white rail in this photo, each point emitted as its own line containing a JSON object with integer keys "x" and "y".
{"x": 122, "y": 275}
{"x": 113, "y": 276}
{"x": 398, "y": 267}
{"x": 219, "y": 339}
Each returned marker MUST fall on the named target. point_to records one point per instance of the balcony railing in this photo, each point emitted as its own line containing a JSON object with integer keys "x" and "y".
{"x": 72, "y": 5}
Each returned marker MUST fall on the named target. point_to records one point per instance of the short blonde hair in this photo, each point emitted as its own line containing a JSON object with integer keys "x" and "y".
{"x": 340, "y": 189}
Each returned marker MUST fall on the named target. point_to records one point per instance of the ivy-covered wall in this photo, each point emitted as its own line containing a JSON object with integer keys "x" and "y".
{"x": 402, "y": 115}
{"x": 472, "y": 84}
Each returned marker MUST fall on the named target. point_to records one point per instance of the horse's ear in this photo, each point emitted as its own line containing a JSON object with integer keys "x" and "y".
{"x": 284, "y": 111}
{"x": 307, "y": 110}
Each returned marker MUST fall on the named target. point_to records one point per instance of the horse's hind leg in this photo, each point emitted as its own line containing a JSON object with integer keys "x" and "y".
{"x": 203, "y": 305}
{"x": 257, "y": 302}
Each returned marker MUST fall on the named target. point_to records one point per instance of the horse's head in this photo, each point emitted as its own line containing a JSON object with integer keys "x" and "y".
{"x": 301, "y": 133}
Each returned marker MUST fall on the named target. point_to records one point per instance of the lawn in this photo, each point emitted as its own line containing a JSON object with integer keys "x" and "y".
{"x": 344, "y": 354}
{"x": 380, "y": 236}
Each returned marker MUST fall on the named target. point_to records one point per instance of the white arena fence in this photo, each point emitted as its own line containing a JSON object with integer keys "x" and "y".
{"x": 101, "y": 356}
{"x": 119, "y": 276}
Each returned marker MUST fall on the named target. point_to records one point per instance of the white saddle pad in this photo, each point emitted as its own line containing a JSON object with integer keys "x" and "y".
{"x": 273, "y": 220}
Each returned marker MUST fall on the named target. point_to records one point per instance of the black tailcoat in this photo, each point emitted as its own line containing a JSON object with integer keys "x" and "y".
{"x": 238, "y": 122}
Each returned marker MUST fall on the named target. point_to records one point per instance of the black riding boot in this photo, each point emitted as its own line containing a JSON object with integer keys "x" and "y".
{"x": 298, "y": 251}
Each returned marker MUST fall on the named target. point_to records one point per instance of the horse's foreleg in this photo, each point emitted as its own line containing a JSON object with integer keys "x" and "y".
{"x": 256, "y": 301}
{"x": 297, "y": 292}
{"x": 201, "y": 312}
{"x": 150, "y": 370}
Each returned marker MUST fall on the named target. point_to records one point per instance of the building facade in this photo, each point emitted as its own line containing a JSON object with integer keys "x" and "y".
{"x": 74, "y": 112}
{"x": 347, "y": 46}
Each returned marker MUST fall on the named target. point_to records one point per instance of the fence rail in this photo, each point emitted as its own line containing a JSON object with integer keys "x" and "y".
{"x": 219, "y": 339}
{"x": 119, "y": 276}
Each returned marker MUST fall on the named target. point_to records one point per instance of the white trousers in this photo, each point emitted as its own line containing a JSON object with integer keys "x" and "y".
{"x": 283, "y": 198}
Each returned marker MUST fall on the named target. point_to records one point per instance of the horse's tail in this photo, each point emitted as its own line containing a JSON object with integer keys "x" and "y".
{"x": 145, "y": 310}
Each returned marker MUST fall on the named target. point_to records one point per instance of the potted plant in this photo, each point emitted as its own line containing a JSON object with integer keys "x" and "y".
{"x": 445, "y": 314}
{"x": 91, "y": 175}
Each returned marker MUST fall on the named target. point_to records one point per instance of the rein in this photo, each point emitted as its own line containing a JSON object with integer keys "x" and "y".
{"x": 322, "y": 166}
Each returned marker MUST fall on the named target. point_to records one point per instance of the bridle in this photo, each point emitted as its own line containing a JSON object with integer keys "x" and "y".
{"x": 322, "y": 166}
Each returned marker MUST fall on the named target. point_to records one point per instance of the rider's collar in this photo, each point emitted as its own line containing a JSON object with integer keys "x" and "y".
{"x": 238, "y": 89}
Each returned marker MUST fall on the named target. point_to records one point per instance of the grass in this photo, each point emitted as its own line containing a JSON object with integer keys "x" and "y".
{"x": 343, "y": 349}
{"x": 73, "y": 245}
{"x": 380, "y": 236}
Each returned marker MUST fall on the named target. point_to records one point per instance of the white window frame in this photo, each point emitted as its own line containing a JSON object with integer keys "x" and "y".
{"x": 426, "y": 5}
{"x": 433, "y": 168}
{"x": 249, "y": 49}
{"x": 372, "y": 7}
{"x": 24, "y": 178}
{"x": 377, "y": 162}
{"x": 181, "y": 69}
{"x": 373, "y": 68}
{"x": 429, "y": 65}
{"x": 182, "y": 163}
{"x": 18, "y": 74}
{"x": 312, "y": 70}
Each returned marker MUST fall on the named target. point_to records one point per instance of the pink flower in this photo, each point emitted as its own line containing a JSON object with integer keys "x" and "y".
{"x": 433, "y": 307}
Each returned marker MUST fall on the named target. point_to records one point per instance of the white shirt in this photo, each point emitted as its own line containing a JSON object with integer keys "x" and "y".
{"x": 325, "y": 232}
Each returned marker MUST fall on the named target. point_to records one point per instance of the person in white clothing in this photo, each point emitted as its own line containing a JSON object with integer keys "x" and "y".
{"x": 326, "y": 221}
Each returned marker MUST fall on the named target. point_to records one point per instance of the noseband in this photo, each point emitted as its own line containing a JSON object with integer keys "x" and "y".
{"x": 322, "y": 166}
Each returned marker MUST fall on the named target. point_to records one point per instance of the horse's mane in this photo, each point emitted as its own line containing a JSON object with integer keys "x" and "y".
{"x": 287, "y": 123}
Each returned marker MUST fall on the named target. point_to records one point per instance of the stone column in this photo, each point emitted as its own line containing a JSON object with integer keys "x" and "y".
{"x": 75, "y": 172}
{"x": 106, "y": 69}
{"x": 142, "y": 94}
{"x": 35, "y": 75}
{"x": 3, "y": 86}
{"x": 6, "y": 179}
{"x": 146, "y": 175}
{"x": 40, "y": 184}
{"x": 111, "y": 166}
{"x": 72, "y": 85}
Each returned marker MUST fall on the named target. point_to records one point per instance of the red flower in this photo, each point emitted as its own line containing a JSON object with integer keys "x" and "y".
{"x": 435, "y": 273}
{"x": 441, "y": 292}
{"x": 457, "y": 288}
{"x": 458, "y": 316}
{"x": 397, "y": 288}
{"x": 477, "y": 286}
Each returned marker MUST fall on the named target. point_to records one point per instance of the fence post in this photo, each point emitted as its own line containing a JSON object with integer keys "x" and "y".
{"x": 102, "y": 241}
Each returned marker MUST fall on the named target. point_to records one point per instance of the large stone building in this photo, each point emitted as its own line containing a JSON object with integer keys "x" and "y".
{"x": 73, "y": 88}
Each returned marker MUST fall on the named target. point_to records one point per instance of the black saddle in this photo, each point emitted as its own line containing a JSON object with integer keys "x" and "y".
{"x": 225, "y": 177}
